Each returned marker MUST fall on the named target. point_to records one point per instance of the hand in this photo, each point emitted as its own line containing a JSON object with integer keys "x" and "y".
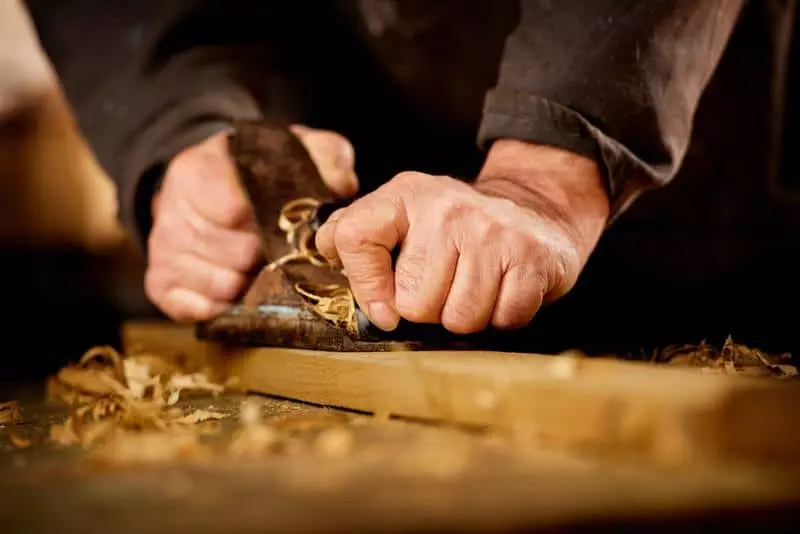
{"x": 471, "y": 255}
{"x": 204, "y": 244}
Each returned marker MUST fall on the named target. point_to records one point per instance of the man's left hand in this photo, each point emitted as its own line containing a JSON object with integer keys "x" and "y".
{"x": 470, "y": 255}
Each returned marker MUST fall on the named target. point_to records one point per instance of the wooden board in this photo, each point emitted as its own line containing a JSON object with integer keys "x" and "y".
{"x": 601, "y": 406}
{"x": 397, "y": 477}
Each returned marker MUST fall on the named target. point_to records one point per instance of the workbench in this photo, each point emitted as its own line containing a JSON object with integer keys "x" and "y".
{"x": 398, "y": 474}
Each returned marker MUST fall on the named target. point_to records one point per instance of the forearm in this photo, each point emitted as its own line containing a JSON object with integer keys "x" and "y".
{"x": 565, "y": 187}
{"x": 148, "y": 79}
{"x": 616, "y": 81}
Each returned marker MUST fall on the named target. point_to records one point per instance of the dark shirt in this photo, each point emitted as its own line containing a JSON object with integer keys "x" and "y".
{"x": 691, "y": 93}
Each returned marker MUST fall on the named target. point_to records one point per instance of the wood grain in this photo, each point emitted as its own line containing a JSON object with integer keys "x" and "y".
{"x": 598, "y": 406}
{"x": 398, "y": 477}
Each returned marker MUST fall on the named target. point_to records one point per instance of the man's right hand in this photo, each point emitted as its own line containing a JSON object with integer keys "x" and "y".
{"x": 204, "y": 244}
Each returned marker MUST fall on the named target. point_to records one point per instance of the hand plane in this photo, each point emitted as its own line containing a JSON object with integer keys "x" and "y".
{"x": 299, "y": 300}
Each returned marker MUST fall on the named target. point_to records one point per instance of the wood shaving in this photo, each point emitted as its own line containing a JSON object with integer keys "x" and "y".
{"x": 64, "y": 434}
{"x": 254, "y": 438}
{"x": 10, "y": 413}
{"x": 732, "y": 358}
{"x": 19, "y": 441}
{"x": 107, "y": 393}
{"x": 199, "y": 416}
{"x": 195, "y": 382}
{"x": 126, "y": 447}
{"x": 334, "y": 303}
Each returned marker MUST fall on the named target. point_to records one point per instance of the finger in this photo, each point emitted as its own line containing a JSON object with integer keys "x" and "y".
{"x": 472, "y": 296}
{"x": 240, "y": 250}
{"x": 334, "y": 157}
{"x": 423, "y": 275}
{"x": 520, "y": 297}
{"x": 205, "y": 176}
{"x": 325, "y": 242}
{"x": 187, "y": 306}
{"x": 364, "y": 238}
{"x": 197, "y": 275}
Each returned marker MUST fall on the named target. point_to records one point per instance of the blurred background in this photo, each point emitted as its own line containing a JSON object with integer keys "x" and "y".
{"x": 70, "y": 273}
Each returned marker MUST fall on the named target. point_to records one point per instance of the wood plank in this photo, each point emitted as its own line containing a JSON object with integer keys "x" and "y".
{"x": 632, "y": 410}
{"x": 412, "y": 477}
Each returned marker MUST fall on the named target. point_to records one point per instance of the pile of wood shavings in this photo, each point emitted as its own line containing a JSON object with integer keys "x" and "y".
{"x": 732, "y": 359}
{"x": 108, "y": 395}
{"x": 254, "y": 438}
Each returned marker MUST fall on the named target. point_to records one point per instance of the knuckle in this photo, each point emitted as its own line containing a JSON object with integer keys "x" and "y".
{"x": 224, "y": 285}
{"x": 233, "y": 207}
{"x": 462, "y": 319}
{"x": 209, "y": 180}
{"x": 452, "y": 207}
{"x": 349, "y": 234}
{"x": 410, "y": 177}
{"x": 409, "y": 273}
{"x": 370, "y": 280}
{"x": 463, "y": 314}
{"x": 414, "y": 301}
{"x": 488, "y": 230}
{"x": 514, "y": 314}
{"x": 247, "y": 252}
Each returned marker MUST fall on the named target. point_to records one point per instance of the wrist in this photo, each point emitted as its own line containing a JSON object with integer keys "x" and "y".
{"x": 563, "y": 186}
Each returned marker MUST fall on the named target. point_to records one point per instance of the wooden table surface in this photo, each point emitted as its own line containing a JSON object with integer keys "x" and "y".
{"x": 398, "y": 476}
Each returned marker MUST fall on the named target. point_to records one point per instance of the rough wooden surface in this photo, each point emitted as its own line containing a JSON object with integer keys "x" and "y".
{"x": 398, "y": 477}
{"x": 656, "y": 414}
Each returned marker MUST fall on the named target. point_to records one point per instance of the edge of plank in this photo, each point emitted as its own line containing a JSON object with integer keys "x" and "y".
{"x": 630, "y": 409}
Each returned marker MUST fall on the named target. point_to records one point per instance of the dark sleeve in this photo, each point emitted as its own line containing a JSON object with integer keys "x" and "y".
{"x": 148, "y": 78}
{"x": 615, "y": 80}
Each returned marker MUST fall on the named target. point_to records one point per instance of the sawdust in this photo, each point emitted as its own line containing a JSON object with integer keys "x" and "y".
{"x": 127, "y": 447}
{"x": 336, "y": 442}
{"x": 110, "y": 396}
{"x": 731, "y": 359}
{"x": 254, "y": 438}
{"x": 333, "y": 303}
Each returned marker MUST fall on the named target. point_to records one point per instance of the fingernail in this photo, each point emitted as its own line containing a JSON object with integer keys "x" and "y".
{"x": 383, "y": 316}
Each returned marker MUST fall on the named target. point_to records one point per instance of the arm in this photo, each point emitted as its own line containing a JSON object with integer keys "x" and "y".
{"x": 148, "y": 79}
{"x": 594, "y": 103}
{"x": 617, "y": 81}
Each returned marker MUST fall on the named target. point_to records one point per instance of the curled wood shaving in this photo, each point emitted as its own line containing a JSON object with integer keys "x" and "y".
{"x": 198, "y": 416}
{"x": 732, "y": 358}
{"x": 107, "y": 393}
{"x": 193, "y": 382}
{"x": 10, "y": 413}
{"x": 19, "y": 441}
{"x": 333, "y": 303}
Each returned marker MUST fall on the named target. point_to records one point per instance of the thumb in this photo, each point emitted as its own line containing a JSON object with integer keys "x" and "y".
{"x": 334, "y": 157}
